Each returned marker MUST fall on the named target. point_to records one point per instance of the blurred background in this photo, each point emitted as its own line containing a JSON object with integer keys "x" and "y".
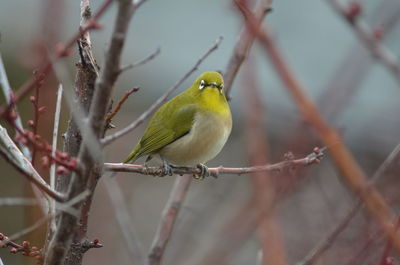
{"x": 356, "y": 95}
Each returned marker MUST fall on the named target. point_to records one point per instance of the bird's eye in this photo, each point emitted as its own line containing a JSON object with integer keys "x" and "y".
{"x": 202, "y": 84}
{"x": 221, "y": 87}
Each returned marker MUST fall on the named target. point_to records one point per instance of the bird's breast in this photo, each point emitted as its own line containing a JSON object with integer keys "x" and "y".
{"x": 204, "y": 141}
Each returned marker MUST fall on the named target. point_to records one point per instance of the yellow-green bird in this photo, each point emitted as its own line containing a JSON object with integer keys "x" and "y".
{"x": 191, "y": 128}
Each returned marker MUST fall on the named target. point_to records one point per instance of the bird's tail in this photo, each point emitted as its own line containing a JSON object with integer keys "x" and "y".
{"x": 133, "y": 155}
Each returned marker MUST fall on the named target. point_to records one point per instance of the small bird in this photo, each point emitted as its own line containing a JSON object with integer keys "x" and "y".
{"x": 190, "y": 129}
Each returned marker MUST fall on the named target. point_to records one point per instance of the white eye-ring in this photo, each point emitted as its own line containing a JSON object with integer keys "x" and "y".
{"x": 202, "y": 84}
{"x": 221, "y": 87}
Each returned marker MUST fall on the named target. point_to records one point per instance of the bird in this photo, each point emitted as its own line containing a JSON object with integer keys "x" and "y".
{"x": 190, "y": 129}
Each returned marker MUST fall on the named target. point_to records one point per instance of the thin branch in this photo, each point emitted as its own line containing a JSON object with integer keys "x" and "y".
{"x": 168, "y": 219}
{"x": 312, "y": 158}
{"x": 141, "y": 62}
{"x": 120, "y": 103}
{"x": 124, "y": 220}
{"x": 344, "y": 160}
{"x": 5, "y": 85}
{"x": 23, "y": 165}
{"x": 61, "y": 51}
{"x": 109, "y": 139}
{"x": 367, "y": 36}
{"x": 243, "y": 45}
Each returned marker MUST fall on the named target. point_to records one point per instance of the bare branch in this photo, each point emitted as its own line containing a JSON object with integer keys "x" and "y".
{"x": 344, "y": 160}
{"x": 367, "y": 36}
{"x": 215, "y": 172}
{"x": 243, "y": 45}
{"x": 23, "y": 165}
{"x": 120, "y": 103}
{"x": 168, "y": 219}
{"x": 109, "y": 139}
{"x": 141, "y": 62}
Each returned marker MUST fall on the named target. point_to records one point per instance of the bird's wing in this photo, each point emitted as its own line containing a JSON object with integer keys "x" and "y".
{"x": 166, "y": 126}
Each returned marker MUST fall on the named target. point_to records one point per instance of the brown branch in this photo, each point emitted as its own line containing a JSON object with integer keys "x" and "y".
{"x": 168, "y": 219}
{"x": 69, "y": 229}
{"x": 367, "y": 36}
{"x": 62, "y": 50}
{"x": 109, "y": 139}
{"x": 243, "y": 45}
{"x": 120, "y": 103}
{"x": 344, "y": 160}
{"x": 141, "y": 62}
{"x": 312, "y": 158}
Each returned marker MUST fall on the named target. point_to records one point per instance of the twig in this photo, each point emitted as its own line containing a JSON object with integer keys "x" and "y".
{"x": 312, "y": 158}
{"x": 109, "y": 139}
{"x": 5, "y": 85}
{"x": 124, "y": 220}
{"x": 392, "y": 159}
{"x": 120, "y": 103}
{"x": 168, "y": 219}
{"x": 345, "y": 161}
{"x": 61, "y": 51}
{"x": 141, "y": 62}
{"x": 36, "y": 113}
{"x": 243, "y": 45}
{"x": 23, "y": 165}
{"x": 25, "y": 249}
{"x": 373, "y": 43}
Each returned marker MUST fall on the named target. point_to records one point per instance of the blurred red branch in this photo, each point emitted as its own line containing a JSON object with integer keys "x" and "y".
{"x": 61, "y": 51}
{"x": 268, "y": 230}
{"x": 120, "y": 103}
{"x": 370, "y": 38}
{"x": 352, "y": 172}
{"x": 243, "y": 45}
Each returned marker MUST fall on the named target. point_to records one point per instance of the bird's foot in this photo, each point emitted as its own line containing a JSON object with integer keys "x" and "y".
{"x": 204, "y": 172}
{"x": 167, "y": 169}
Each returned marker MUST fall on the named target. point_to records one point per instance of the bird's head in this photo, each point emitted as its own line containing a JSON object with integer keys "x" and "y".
{"x": 209, "y": 90}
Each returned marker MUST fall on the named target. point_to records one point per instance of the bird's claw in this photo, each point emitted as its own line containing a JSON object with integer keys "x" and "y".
{"x": 167, "y": 169}
{"x": 204, "y": 172}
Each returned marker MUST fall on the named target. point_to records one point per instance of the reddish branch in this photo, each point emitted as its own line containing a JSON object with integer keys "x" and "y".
{"x": 120, "y": 103}
{"x": 243, "y": 46}
{"x": 62, "y": 50}
{"x": 372, "y": 39}
{"x": 312, "y": 158}
{"x": 264, "y": 187}
{"x": 25, "y": 248}
{"x": 345, "y": 161}
{"x": 168, "y": 219}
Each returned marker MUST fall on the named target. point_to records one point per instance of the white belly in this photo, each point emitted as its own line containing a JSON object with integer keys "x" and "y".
{"x": 204, "y": 141}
